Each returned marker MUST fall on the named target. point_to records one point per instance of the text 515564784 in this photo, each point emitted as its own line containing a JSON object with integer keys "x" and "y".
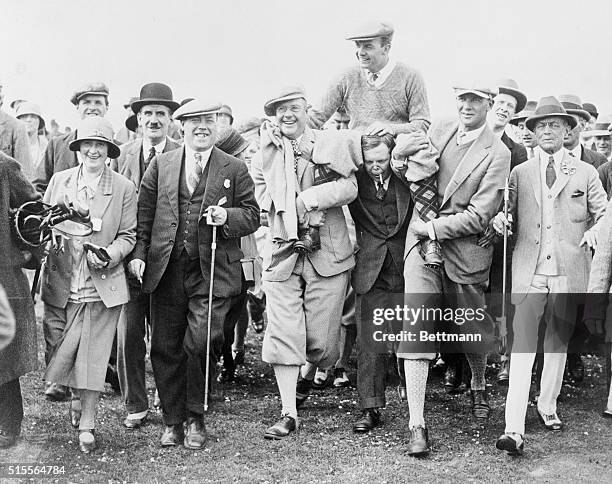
{"x": 25, "y": 470}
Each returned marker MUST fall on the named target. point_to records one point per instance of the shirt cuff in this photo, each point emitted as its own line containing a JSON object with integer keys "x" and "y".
{"x": 430, "y": 230}
{"x": 310, "y": 200}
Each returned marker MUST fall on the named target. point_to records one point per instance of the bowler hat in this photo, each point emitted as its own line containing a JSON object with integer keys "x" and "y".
{"x": 231, "y": 142}
{"x": 510, "y": 87}
{"x": 525, "y": 113}
{"x": 196, "y": 107}
{"x": 549, "y": 106}
{"x": 27, "y": 107}
{"x": 131, "y": 122}
{"x": 372, "y": 30}
{"x": 286, "y": 94}
{"x": 154, "y": 93}
{"x": 97, "y": 88}
{"x": 573, "y": 105}
{"x": 591, "y": 109}
{"x": 96, "y": 129}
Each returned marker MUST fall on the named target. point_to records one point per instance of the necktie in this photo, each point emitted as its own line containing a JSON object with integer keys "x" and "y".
{"x": 194, "y": 177}
{"x": 551, "y": 174}
{"x": 152, "y": 153}
{"x": 380, "y": 191}
{"x": 372, "y": 76}
{"x": 571, "y": 153}
{"x": 295, "y": 144}
{"x": 460, "y": 136}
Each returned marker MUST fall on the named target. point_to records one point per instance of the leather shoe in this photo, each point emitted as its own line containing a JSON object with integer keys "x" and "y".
{"x": 195, "y": 438}
{"x": 7, "y": 439}
{"x": 281, "y": 429}
{"x": 480, "y": 407}
{"x": 418, "y": 441}
{"x": 370, "y": 418}
{"x": 309, "y": 241}
{"x": 172, "y": 436}
{"x": 431, "y": 252}
{"x": 341, "y": 379}
{"x": 132, "y": 423}
{"x": 87, "y": 441}
{"x": 503, "y": 375}
{"x": 302, "y": 391}
{"x": 607, "y": 413}
{"x": 550, "y": 421}
{"x": 575, "y": 367}
{"x": 227, "y": 375}
{"x": 512, "y": 443}
{"x": 56, "y": 392}
{"x": 452, "y": 378}
{"x": 75, "y": 417}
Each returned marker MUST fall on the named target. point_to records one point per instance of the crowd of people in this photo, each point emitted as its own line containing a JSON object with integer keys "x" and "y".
{"x": 196, "y": 225}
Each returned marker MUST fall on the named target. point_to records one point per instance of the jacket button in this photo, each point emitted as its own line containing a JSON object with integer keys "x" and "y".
{"x": 537, "y": 242}
{"x": 548, "y": 257}
{"x": 113, "y": 288}
{"x": 173, "y": 224}
{"x": 103, "y": 276}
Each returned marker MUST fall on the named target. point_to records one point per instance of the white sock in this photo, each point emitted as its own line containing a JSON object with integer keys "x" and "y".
{"x": 308, "y": 371}
{"x": 286, "y": 379}
{"x": 609, "y": 406}
{"x": 416, "y": 383}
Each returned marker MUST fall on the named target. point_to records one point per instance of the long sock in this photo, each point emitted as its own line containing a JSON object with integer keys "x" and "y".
{"x": 416, "y": 383}
{"x": 89, "y": 406}
{"x": 609, "y": 406}
{"x": 286, "y": 379}
{"x": 478, "y": 365}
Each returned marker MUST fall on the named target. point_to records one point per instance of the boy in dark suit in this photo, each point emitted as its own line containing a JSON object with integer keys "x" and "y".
{"x": 381, "y": 213}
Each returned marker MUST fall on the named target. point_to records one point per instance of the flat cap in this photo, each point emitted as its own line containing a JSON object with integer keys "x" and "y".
{"x": 477, "y": 88}
{"x": 248, "y": 125}
{"x": 98, "y": 88}
{"x": 286, "y": 94}
{"x": 231, "y": 142}
{"x": 196, "y": 107}
{"x": 372, "y": 30}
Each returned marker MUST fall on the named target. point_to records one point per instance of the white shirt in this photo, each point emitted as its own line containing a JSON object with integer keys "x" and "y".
{"x": 577, "y": 151}
{"x": 190, "y": 162}
{"x": 558, "y": 156}
{"x": 146, "y": 147}
{"x": 385, "y": 182}
{"x": 383, "y": 74}
{"x": 464, "y": 137}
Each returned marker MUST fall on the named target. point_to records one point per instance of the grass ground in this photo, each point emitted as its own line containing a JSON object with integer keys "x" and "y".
{"x": 325, "y": 449}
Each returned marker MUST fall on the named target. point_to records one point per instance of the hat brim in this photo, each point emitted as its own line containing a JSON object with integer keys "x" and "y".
{"x": 573, "y": 122}
{"x": 596, "y": 132}
{"x": 75, "y": 99}
{"x": 579, "y": 112}
{"x": 269, "y": 107}
{"x": 41, "y": 125}
{"x": 131, "y": 123}
{"x": 517, "y": 119}
{"x": 521, "y": 99}
{"x": 113, "y": 150}
{"x": 459, "y": 91}
{"x": 137, "y": 105}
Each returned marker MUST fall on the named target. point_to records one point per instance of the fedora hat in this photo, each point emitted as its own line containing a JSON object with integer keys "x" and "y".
{"x": 286, "y": 94}
{"x": 196, "y": 107}
{"x": 510, "y": 87}
{"x": 96, "y": 129}
{"x": 525, "y": 113}
{"x": 591, "y": 109}
{"x": 573, "y": 105}
{"x": 27, "y": 107}
{"x": 155, "y": 93}
{"x": 547, "y": 107}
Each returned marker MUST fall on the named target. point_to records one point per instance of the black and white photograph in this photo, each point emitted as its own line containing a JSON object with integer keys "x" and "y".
{"x": 260, "y": 241}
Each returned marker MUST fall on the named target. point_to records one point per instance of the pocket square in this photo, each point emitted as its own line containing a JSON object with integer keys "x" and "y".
{"x": 577, "y": 193}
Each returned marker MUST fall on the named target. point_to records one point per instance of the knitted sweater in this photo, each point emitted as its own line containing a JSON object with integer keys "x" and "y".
{"x": 401, "y": 101}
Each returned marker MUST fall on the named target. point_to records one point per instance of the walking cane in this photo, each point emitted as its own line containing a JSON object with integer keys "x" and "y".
{"x": 213, "y": 247}
{"x": 503, "y": 329}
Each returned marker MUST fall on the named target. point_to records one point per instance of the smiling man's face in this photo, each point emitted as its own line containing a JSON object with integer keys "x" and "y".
{"x": 503, "y": 110}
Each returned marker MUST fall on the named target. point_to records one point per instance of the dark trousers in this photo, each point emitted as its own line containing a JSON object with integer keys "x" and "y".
{"x": 179, "y": 315}
{"x": 372, "y": 367}
{"x": 236, "y": 318}
{"x": 11, "y": 407}
{"x": 132, "y": 349}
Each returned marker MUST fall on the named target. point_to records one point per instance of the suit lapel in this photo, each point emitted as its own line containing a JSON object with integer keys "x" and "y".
{"x": 562, "y": 178}
{"x": 474, "y": 156}
{"x": 363, "y": 178}
{"x": 133, "y": 162}
{"x": 306, "y": 147}
{"x": 402, "y": 198}
{"x": 170, "y": 173}
{"x": 103, "y": 195}
{"x": 536, "y": 179}
{"x": 216, "y": 178}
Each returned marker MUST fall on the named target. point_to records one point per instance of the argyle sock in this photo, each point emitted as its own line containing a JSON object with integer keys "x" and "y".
{"x": 416, "y": 383}
{"x": 478, "y": 365}
{"x": 89, "y": 406}
{"x": 286, "y": 379}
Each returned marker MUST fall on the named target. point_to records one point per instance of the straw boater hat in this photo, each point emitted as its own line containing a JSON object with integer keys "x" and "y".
{"x": 97, "y": 88}
{"x": 286, "y": 94}
{"x": 600, "y": 128}
{"x": 547, "y": 107}
{"x": 573, "y": 105}
{"x": 525, "y": 113}
{"x": 196, "y": 108}
{"x": 27, "y": 107}
{"x": 154, "y": 93}
{"x": 96, "y": 129}
{"x": 510, "y": 87}
{"x": 372, "y": 30}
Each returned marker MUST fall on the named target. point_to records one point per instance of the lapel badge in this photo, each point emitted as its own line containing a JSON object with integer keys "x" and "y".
{"x": 226, "y": 183}
{"x": 567, "y": 168}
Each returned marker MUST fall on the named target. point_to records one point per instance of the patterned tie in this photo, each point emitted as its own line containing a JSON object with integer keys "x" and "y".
{"x": 551, "y": 174}
{"x": 295, "y": 144}
{"x": 571, "y": 153}
{"x": 380, "y": 191}
{"x": 152, "y": 153}
{"x": 372, "y": 77}
{"x": 194, "y": 177}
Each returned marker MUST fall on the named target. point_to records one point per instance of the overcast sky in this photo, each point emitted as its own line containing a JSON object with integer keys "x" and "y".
{"x": 241, "y": 51}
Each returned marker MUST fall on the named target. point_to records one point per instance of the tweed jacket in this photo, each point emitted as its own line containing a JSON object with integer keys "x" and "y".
{"x": 578, "y": 199}
{"x": 471, "y": 199}
{"x": 14, "y": 143}
{"x": 128, "y": 163}
{"x": 158, "y": 218}
{"x": 58, "y": 157}
{"x": 115, "y": 205}
{"x": 336, "y": 253}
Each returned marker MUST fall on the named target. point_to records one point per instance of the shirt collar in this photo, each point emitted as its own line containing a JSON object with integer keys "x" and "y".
{"x": 464, "y": 137}
{"x": 577, "y": 151}
{"x": 558, "y": 156}
{"x": 159, "y": 147}
{"x": 90, "y": 186}
{"x": 189, "y": 155}
{"x": 383, "y": 74}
